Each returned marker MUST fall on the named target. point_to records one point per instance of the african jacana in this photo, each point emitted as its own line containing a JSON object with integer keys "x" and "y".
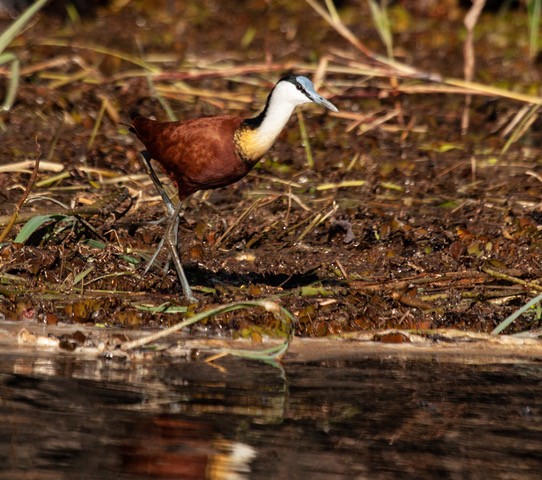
{"x": 212, "y": 152}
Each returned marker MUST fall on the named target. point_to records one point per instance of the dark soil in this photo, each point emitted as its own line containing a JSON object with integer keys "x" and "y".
{"x": 438, "y": 229}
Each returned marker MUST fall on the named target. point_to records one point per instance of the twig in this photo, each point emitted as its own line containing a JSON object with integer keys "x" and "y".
{"x": 228, "y": 71}
{"x": 274, "y": 196}
{"x": 469, "y": 276}
{"x": 342, "y": 269}
{"x": 318, "y": 219}
{"x": 104, "y": 206}
{"x": 23, "y": 167}
{"x": 510, "y": 278}
{"x": 412, "y": 301}
{"x": 534, "y": 174}
{"x": 335, "y": 22}
{"x": 377, "y": 122}
{"x": 25, "y": 194}
{"x": 237, "y": 222}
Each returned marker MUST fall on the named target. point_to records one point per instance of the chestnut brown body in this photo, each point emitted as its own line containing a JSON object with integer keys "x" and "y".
{"x": 197, "y": 154}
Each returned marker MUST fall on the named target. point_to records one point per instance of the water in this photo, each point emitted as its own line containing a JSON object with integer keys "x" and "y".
{"x": 376, "y": 417}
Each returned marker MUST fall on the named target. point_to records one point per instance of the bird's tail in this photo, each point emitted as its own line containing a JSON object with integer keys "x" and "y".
{"x": 133, "y": 116}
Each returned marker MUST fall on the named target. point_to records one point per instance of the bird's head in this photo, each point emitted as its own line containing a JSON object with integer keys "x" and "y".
{"x": 297, "y": 89}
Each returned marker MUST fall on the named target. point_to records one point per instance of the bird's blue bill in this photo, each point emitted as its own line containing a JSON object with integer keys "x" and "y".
{"x": 314, "y": 95}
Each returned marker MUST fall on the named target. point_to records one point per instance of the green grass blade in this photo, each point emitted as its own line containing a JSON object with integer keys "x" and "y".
{"x": 93, "y": 243}
{"x": 165, "y": 307}
{"x": 82, "y": 275}
{"x": 534, "y": 9}
{"x": 305, "y": 140}
{"x": 270, "y": 306}
{"x": 265, "y": 355}
{"x": 382, "y": 24}
{"x": 13, "y": 82}
{"x": 15, "y": 28}
{"x": 508, "y": 321}
{"x": 33, "y": 224}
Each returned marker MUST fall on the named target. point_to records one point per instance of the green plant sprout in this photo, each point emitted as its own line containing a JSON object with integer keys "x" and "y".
{"x": 534, "y": 9}
{"x": 7, "y": 57}
{"x": 382, "y": 24}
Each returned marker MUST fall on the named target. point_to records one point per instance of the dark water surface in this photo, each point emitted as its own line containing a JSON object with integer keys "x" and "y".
{"x": 376, "y": 417}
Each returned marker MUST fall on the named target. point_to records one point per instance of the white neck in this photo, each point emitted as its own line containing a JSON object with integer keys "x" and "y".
{"x": 280, "y": 105}
{"x": 279, "y": 111}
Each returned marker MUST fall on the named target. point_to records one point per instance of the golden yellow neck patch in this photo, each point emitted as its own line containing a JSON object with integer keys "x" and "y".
{"x": 251, "y": 144}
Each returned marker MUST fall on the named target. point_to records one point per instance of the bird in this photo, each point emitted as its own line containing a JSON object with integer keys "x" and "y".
{"x": 215, "y": 151}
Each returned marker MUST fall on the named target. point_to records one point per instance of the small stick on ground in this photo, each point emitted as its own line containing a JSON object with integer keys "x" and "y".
{"x": 23, "y": 198}
{"x": 468, "y": 276}
{"x": 511, "y": 279}
{"x": 237, "y": 222}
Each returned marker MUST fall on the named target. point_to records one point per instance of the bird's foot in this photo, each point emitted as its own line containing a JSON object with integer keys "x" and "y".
{"x": 190, "y": 298}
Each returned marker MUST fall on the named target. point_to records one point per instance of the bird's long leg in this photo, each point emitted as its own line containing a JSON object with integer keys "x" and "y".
{"x": 157, "y": 183}
{"x": 172, "y": 241}
{"x": 145, "y": 156}
{"x": 172, "y": 229}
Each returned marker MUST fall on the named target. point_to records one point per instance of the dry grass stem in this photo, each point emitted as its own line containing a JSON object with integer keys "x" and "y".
{"x": 13, "y": 219}
{"x": 24, "y": 167}
{"x": 470, "y": 22}
{"x": 225, "y": 71}
{"x": 509, "y": 278}
{"x": 343, "y": 184}
{"x": 278, "y": 195}
{"x": 320, "y": 72}
{"x": 99, "y": 49}
{"x": 97, "y": 124}
{"x": 445, "y": 280}
{"x": 376, "y": 123}
{"x": 519, "y": 125}
{"x": 317, "y": 220}
{"x": 237, "y": 221}
{"x": 102, "y": 207}
{"x": 267, "y": 178}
